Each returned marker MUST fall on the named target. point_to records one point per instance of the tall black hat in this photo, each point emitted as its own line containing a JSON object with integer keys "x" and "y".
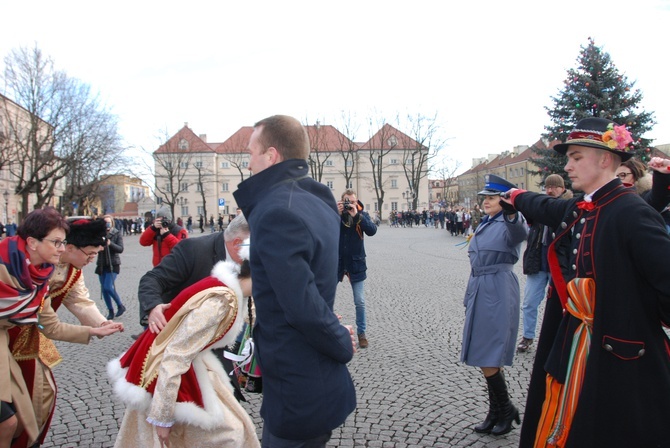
{"x": 602, "y": 134}
{"x": 495, "y": 185}
{"x": 87, "y": 232}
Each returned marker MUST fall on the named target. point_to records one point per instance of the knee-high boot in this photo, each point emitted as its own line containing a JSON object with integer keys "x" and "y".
{"x": 492, "y": 417}
{"x": 507, "y": 412}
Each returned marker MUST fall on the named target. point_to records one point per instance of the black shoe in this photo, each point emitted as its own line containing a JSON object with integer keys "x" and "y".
{"x": 110, "y": 316}
{"x": 524, "y": 345}
{"x": 121, "y": 310}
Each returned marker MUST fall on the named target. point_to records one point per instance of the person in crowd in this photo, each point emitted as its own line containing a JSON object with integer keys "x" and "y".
{"x": 355, "y": 223}
{"x": 303, "y": 349}
{"x": 10, "y": 227}
{"x": 536, "y": 265}
{"x": 189, "y": 224}
{"x": 609, "y": 360}
{"x": 163, "y": 235}
{"x": 211, "y": 223}
{"x": 492, "y": 303}
{"x": 201, "y": 224}
{"x": 176, "y": 391}
{"x": 476, "y": 217}
{"x": 633, "y": 173}
{"x": 191, "y": 260}
{"x": 108, "y": 267}
{"x": 28, "y": 322}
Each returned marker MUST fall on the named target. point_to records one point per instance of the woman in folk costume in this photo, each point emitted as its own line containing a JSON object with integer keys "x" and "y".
{"x": 176, "y": 392}
{"x": 26, "y": 264}
{"x": 492, "y": 303}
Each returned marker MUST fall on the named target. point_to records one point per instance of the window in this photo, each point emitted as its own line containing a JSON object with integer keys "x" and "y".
{"x": 522, "y": 171}
{"x": 245, "y": 164}
{"x": 183, "y": 144}
{"x": 198, "y": 164}
{"x": 392, "y": 141}
{"x": 329, "y": 184}
{"x": 329, "y": 162}
{"x": 198, "y": 187}
{"x": 184, "y": 210}
{"x": 376, "y": 206}
{"x": 224, "y": 165}
{"x": 394, "y": 161}
{"x": 183, "y": 165}
{"x": 168, "y": 187}
{"x": 184, "y": 186}
{"x": 168, "y": 165}
{"x": 201, "y": 210}
{"x": 224, "y": 186}
{"x": 394, "y": 183}
{"x": 350, "y": 184}
{"x": 349, "y": 162}
{"x": 394, "y": 206}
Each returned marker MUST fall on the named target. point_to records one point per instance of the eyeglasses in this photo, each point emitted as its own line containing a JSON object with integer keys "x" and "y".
{"x": 57, "y": 243}
{"x": 89, "y": 255}
{"x": 622, "y": 175}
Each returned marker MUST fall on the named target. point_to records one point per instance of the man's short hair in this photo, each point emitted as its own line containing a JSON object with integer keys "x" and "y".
{"x": 237, "y": 228}
{"x": 286, "y": 135}
{"x": 349, "y": 192}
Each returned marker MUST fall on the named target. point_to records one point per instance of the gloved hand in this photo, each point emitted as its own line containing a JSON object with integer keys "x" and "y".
{"x": 508, "y": 209}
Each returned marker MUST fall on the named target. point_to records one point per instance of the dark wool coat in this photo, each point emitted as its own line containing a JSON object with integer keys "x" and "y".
{"x": 621, "y": 244}
{"x": 303, "y": 349}
{"x": 492, "y": 296}
{"x": 352, "y": 249}
{"x": 110, "y": 253}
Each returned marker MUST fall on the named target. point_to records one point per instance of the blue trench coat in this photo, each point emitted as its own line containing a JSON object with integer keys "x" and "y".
{"x": 492, "y": 296}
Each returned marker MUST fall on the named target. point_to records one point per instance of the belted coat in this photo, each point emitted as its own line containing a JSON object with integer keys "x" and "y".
{"x": 492, "y": 296}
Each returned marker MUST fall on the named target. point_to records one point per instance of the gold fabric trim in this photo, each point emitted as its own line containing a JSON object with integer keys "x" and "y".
{"x": 31, "y": 344}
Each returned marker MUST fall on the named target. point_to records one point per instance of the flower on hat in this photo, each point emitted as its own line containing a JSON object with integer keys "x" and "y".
{"x": 617, "y": 137}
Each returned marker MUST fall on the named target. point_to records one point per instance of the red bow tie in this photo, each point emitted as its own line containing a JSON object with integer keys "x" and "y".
{"x": 588, "y": 206}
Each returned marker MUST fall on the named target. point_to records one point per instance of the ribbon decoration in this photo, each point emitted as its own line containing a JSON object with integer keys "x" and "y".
{"x": 243, "y": 358}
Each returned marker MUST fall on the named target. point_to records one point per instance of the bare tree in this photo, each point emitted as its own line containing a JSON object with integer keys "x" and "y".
{"x": 65, "y": 121}
{"x": 420, "y": 148}
{"x": 347, "y": 147}
{"x": 173, "y": 161}
{"x": 319, "y": 152}
{"x": 234, "y": 150}
{"x": 379, "y": 146}
{"x": 446, "y": 174}
{"x": 204, "y": 177}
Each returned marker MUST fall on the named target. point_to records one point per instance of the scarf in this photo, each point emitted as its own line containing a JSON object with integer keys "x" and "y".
{"x": 22, "y": 284}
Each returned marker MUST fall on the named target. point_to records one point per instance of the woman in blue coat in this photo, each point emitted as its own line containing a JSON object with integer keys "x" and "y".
{"x": 492, "y": 303}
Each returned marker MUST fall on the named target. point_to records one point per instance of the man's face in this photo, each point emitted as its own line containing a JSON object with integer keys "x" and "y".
{"x": 584, "y": 168}
{"x": 350, "y": 197}
{"x": 258, "y": 155}
{"x": 80, "y": 256}
{"x": 234, "y": 247}
{"x": 554, "y": 192}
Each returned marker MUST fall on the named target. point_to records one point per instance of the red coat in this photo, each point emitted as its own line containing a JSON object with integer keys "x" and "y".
{"x": 162, "y": 244}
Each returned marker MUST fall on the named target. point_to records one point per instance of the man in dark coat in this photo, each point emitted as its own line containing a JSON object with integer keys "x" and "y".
{"x": 618, "y": 242}
{"x": 303, "y": 349}
{"x": 355, "y": 223}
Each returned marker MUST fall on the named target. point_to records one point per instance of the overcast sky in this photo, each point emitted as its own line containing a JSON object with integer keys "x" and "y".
{"x": 486, "y": 68}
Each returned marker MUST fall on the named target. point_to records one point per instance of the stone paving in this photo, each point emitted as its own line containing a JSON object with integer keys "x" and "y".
{"x": 412, "y": 390}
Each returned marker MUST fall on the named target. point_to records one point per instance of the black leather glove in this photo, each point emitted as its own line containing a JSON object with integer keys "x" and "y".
{"x": 508, "y": 209}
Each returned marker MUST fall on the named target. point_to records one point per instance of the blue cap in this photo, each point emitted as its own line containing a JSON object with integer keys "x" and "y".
{"x": 495, "y": 185}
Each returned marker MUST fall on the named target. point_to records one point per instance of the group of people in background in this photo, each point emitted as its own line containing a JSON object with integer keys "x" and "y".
{"x": 458, "y": 221}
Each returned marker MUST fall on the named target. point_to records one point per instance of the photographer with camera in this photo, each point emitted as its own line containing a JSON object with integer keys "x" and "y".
{"x": 354, "y": 223}
{"x": 163, "y": 235}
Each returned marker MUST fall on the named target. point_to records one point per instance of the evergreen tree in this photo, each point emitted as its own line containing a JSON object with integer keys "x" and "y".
{"x": 594, "y": 89}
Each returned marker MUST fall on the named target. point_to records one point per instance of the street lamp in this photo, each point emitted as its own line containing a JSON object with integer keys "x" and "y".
{"x": 6, "y": 196}
{"x": 409, "y": 195}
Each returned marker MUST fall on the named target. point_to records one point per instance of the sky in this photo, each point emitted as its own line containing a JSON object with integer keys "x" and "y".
{"x": 486, "y": 69}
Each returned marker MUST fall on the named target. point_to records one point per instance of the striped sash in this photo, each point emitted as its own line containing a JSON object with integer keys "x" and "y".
{"x": 561, "y": 400}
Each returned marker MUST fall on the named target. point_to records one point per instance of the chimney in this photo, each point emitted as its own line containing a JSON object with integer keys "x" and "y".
{"x": 186, "y": 124}
{"x": 203, "y": 137}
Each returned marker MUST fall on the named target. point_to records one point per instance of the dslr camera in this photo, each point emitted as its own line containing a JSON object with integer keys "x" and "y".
{"x": 347, "y": 205}
{"x": 165, "y": 223}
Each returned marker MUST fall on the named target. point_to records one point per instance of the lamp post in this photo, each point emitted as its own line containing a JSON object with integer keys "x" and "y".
{"x": 409, "y": 195}
{"x": 6, "y": 196}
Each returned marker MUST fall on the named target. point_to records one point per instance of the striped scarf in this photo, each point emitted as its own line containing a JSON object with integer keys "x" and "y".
{"x": 22, "y": 284}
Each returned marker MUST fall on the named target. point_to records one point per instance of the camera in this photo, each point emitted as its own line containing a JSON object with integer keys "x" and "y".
{"x": 347, "y": 205}
{"x": 165, "y": 223}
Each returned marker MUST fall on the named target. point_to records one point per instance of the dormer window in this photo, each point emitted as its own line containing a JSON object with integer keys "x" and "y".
{"x": 183, "y": 144}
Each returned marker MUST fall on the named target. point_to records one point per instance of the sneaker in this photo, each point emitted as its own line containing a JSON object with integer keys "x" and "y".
{"x": 120, "y": 311}
{"x": 362, "y": 340}
{"x": 524, "y": 345}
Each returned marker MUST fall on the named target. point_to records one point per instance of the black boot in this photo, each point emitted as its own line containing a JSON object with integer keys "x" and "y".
{"x": 507, "y": 412}
{"x": 120, "y": 311}
{"x": 491, "y": 419}
{"x": 110, "y": 316}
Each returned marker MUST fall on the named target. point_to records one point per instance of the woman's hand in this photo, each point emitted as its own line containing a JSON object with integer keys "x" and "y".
{"x": 106, "y": 329}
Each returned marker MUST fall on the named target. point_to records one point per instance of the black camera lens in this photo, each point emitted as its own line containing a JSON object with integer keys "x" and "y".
{"x": 165, "y": 224}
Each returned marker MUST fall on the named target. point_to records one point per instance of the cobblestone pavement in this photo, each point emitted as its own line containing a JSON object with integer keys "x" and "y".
{"x": 412, "y": 390}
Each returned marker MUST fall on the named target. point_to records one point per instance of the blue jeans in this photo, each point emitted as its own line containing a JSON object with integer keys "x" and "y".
{"x": 359, "y": 302}
{"x": 271, "y": 441}
{"x": 108, "y": 291}
{"x": 536, "y": 286}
